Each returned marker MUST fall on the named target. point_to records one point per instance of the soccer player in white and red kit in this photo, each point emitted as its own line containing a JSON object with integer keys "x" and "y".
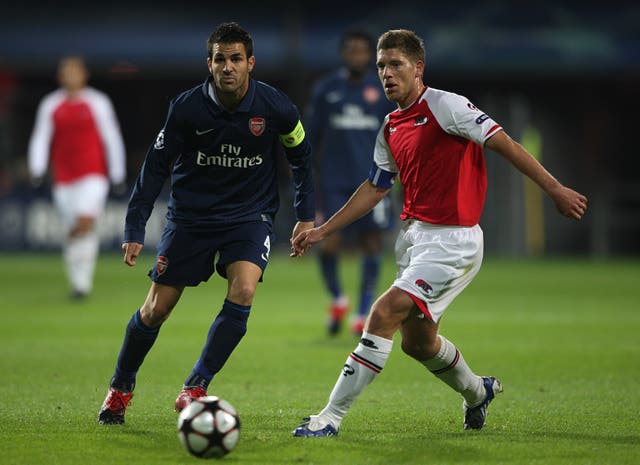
{"x": 76, "y": 134}
{"x": 434, "y": 142}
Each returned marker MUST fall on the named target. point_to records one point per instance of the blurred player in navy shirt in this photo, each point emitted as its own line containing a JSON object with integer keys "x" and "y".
{"x": 342, "y": 119}
{"x": 218, "y": 147}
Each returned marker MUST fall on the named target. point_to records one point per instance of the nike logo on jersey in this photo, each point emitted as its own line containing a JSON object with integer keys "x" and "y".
{"x": 420, "y": 120}
{"x": 199, "y": 133}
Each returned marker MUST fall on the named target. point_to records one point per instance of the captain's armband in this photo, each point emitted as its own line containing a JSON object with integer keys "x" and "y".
{"x": 381, "y": 178}
{"x": 294, "y": 138}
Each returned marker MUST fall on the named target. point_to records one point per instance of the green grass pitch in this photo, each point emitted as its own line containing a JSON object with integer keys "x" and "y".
{"x": 562, "y": 335}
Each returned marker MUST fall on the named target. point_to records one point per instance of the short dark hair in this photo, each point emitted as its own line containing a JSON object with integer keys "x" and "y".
{"x": 408, "y": 42}
{"x": 230, "y": 33}
{"x": 357, "y": 34}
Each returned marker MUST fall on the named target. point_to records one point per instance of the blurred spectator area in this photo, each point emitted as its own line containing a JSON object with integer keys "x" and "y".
{"x": 568, "y": 71}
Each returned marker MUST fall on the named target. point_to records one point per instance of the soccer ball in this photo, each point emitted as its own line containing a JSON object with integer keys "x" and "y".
{"x": 209, "y": 427}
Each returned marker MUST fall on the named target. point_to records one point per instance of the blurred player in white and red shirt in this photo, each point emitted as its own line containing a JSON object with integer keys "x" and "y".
{"x": 76, "y": 135}
{"x": 434, "y": 142}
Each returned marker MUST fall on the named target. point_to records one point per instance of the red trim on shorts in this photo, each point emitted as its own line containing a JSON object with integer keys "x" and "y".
{"x": 421, "y": 304}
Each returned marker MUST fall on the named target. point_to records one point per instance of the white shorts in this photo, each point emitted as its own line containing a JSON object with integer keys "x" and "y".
{"x": 435, "y": 263}
{"x": 85, "y": 197}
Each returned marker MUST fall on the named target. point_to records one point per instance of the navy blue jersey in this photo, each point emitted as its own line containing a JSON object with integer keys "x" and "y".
{"x": 222, "y": 165}
{"x": 342, "y": 121}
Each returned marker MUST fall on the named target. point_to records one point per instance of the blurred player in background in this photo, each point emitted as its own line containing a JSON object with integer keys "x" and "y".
{"x": 434, "y": 142}
{"x": 76, "y": 133}
{"x": 342, "y": 120}
{"x": 218, "y": 146}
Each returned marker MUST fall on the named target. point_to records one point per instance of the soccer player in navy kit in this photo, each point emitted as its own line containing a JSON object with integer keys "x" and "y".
{"x": 434, "y": 144}
{"x": 218, "y": 145}
{"x": 342, "y": 120}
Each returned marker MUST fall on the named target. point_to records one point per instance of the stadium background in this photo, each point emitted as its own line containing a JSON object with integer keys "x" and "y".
{"x": 561, "y": 76}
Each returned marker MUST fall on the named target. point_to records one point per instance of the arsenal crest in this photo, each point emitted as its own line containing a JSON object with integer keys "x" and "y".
{"x": 371, "y": 94}
{"x": 162, "y": 264}
{"x": 257, "y": 126}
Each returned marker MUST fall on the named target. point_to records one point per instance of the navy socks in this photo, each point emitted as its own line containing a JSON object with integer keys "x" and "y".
{"x": 224, "y": 335}
{"x": 369, "y": 272}
{"x": 329, "y": 269}
{"x": 138, "y": 340}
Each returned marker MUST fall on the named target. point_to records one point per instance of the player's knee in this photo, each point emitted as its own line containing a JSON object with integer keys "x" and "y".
{"x": 84, "y": 225}
{"x": 387, "y": 314}
{"x": 156, "y": 312}
{"x": 242, "y": 293}
{"x": 153, "y": 317}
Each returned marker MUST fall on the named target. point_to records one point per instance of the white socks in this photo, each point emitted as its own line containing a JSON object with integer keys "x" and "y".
{"x": 449, "y": 365}
{"x": 361, "y": 367}
{"x": 369, "y": 358}
{"x": 80, "y": 256}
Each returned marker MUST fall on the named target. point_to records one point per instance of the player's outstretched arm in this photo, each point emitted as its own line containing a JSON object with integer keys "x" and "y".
{"x": 568, "y": 202}
{"x": 131, "y": 252}
{"x": 361, "y": 202}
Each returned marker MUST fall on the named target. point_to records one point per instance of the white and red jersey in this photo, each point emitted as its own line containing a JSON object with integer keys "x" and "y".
{"x": 79, "y": 136}
{"x": 436, "y": 146}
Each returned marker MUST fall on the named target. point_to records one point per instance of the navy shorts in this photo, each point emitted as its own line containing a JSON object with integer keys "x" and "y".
{"x": 187, "y": 257}
{"x": 378, "y": 219}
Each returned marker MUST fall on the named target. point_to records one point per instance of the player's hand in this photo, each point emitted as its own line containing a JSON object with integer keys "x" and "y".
{"x": 299, "y": 228}
{"x": 569, "y": 203}
{"x": 303, "y": 241}
{"x": 131, "y": 252}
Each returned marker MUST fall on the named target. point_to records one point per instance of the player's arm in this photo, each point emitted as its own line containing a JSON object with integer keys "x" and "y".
{"x": 40, "y": 141}
{"x": 150, "y": 181}
{"x": 367, "y": 196}
{"x": 568, "y": 202}
{"x": 381, "y": 178}
{"x": 298, "y": 152}
{"x": 361, "y": 202}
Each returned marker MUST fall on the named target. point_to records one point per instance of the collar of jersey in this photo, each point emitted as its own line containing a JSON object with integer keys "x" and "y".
{"x": 420, "y": 97}
{"x": 219, "y": 108}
